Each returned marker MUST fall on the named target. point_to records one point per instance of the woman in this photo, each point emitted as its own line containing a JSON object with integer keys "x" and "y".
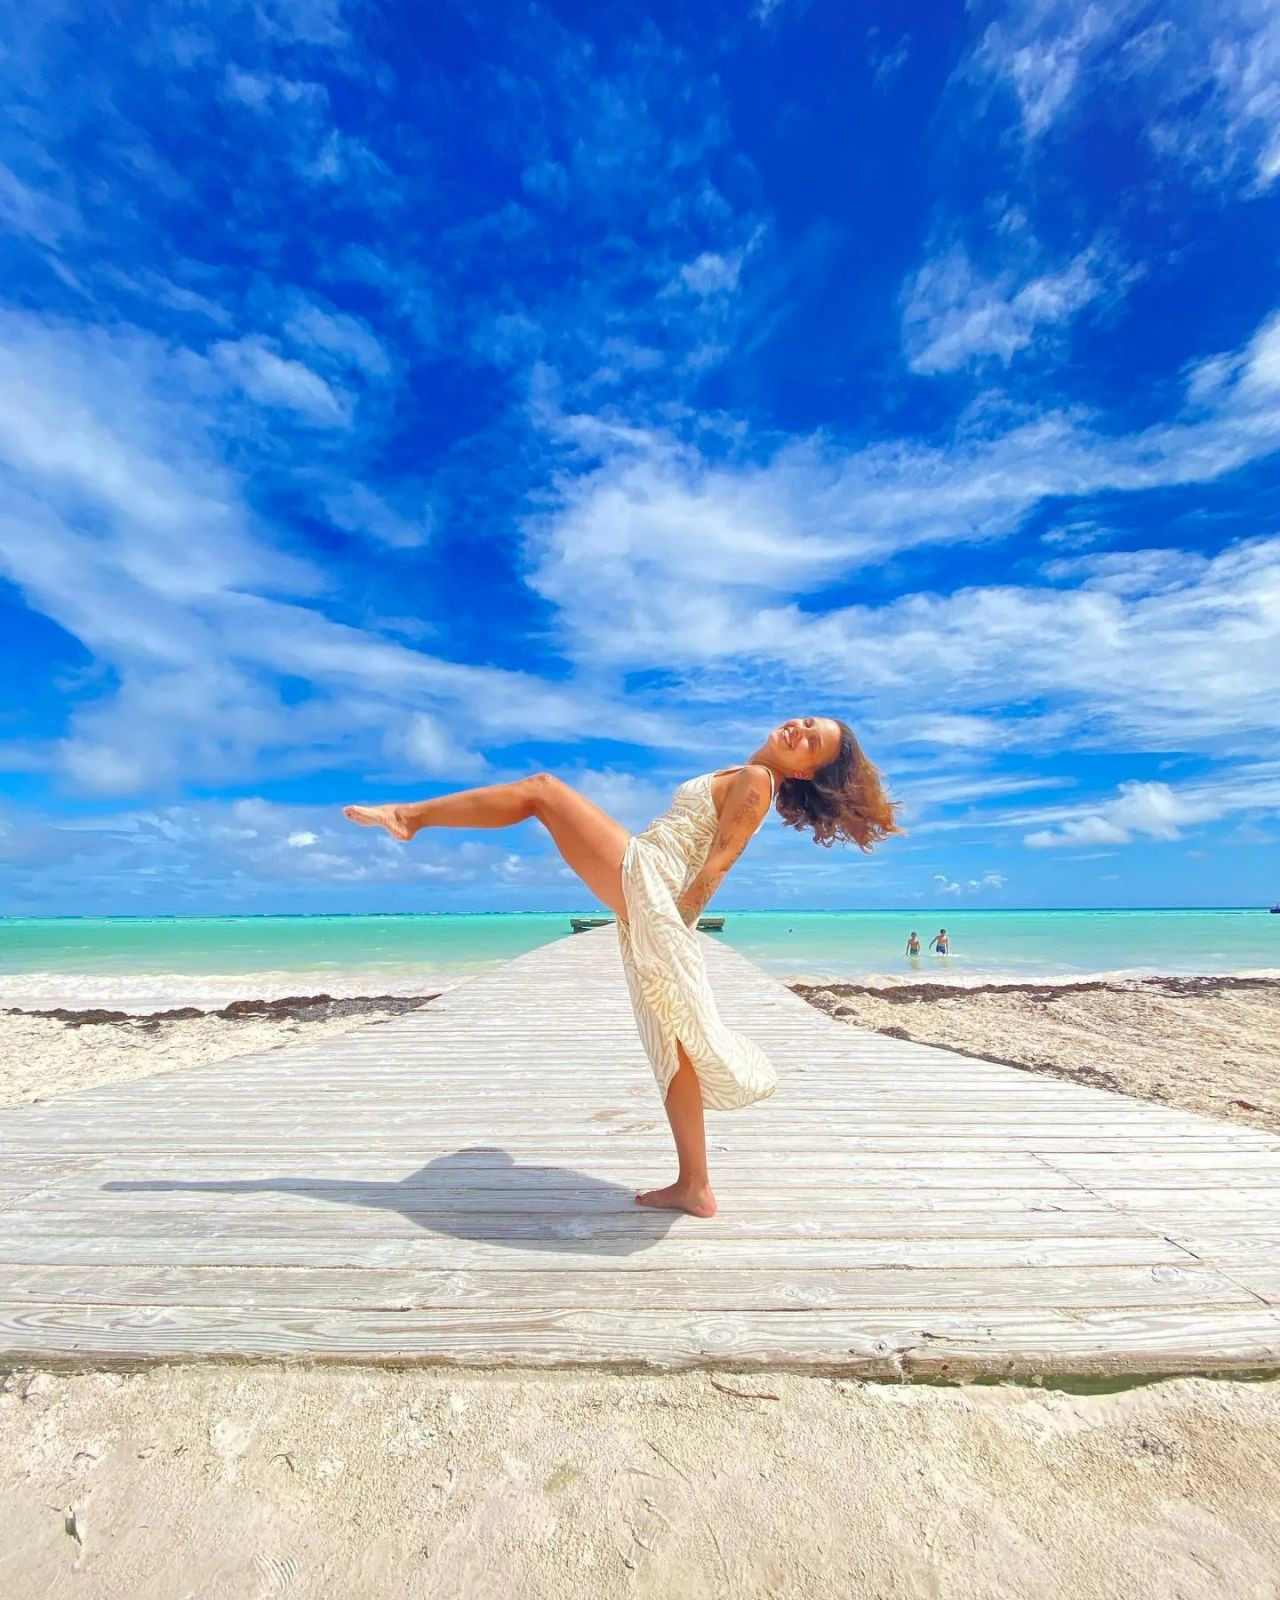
{"x": 658, "y": 882}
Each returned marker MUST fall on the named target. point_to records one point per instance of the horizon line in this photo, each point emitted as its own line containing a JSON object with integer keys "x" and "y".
{"x": 742, "y": 911}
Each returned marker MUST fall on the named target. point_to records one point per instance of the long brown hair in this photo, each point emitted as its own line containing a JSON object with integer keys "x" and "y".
{"x": 844, "y": 800}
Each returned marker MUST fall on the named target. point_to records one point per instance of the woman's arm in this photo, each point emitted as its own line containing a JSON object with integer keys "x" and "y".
{"x": 744, "y": 806}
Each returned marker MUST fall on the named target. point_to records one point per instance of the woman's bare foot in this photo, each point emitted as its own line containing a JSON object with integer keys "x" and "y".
{"x": 696, "y": 1199}
{"x": 388, "y": 817}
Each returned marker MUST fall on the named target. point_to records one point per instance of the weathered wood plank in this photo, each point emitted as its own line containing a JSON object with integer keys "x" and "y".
{"x": 665, "y": 1288}
{"x": 870, "y": 1344}
{"x": 139, "y": 1281}
{"x": 611, "y": 1238}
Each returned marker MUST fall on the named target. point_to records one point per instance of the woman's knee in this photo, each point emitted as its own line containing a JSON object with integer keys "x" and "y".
{"x": 542, "y": 787}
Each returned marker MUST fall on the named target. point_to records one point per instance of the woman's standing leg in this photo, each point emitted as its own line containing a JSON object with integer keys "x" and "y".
{"x": 692, "y": 1189}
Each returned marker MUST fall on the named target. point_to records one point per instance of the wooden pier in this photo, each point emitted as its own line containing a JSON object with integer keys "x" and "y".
{"x": 456, "y": 1186}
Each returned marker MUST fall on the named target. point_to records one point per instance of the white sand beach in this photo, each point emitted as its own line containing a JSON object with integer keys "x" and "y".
{"x": 1204, "y": 1044}
{"x": 43, "y": 1055}
{"x": 251, "y": 1481}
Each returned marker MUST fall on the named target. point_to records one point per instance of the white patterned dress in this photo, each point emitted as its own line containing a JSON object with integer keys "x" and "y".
{"x": 663, "y": 958}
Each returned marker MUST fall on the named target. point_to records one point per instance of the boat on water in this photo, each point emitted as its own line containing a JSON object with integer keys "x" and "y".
{"x": 1275, "y": 910}
{"x": 581, "y": 924}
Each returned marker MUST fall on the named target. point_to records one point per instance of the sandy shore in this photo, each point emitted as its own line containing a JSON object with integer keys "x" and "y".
{"x": 1205, "y": 1044}
{"x": 44, "y": 1054}
{"x": 230, "y": 1482}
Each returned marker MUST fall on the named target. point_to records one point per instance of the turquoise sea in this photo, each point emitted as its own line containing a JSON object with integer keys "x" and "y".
{"x": 148, "y": 963}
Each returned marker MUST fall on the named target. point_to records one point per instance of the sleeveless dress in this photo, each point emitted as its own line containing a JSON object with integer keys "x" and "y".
{"x": 663, "y": 962}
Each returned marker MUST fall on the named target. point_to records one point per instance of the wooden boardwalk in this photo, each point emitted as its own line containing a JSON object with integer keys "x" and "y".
{"x": 456, "y": 1186}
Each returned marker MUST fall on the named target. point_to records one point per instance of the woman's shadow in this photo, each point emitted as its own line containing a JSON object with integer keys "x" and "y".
{"x": 480, "y": 1194}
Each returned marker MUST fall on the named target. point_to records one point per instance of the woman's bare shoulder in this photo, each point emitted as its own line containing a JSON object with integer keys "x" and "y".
{"x": 750, "y": 790}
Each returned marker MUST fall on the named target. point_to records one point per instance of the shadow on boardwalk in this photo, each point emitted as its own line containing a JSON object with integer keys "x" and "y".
{"x": 479, "y": 1193}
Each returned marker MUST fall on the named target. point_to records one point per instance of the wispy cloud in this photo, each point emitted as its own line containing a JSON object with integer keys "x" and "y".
{"x": 951, "y": 316}
{"x": 1040, "y": 50}
{"x": 277, "y": 380}
{"x": 1160, "y": 811}
{"x": 1206, "y": 85}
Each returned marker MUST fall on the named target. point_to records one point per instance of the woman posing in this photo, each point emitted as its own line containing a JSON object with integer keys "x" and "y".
{"x": 658, "y": 882}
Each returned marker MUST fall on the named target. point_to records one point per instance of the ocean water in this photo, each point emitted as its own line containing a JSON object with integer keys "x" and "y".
{"x": 149, "y": 963}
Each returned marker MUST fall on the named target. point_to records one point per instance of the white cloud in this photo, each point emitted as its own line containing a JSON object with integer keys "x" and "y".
{"x": 312, "y": 22}
{"x": 711, "y": 273}
{"x": 436, "y": 750}
{"x": 334, "y": 336}
{"x": 403, "y": 282}
{"x": 1206, "y": 87}
{"x": 1040, "y": 50}
{"x": 891, "y": 63}
{"x": 988, "y": 880}
{"x": 1247, "y": 71}
{"x": 102, "y": 769}
{"x": 357, "y": 509}
{"x": 630, "y": 800}
{"x": 37, "y": 215}
{"x": 277, "y": 380}
{"x": 1088, "y": 830}
{"x": 952, "y": 316}
{"x": 301, "y": 839}
{"x": 259, "y": 90}
{"x": 951, "y": 731}
{"x": 1158, "y": 811}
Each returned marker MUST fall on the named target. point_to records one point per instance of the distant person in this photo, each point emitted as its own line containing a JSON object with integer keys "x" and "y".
{"x": 940, "y": 939}
{"x": 913, "y": 945}
{"x": 811, "y": 769}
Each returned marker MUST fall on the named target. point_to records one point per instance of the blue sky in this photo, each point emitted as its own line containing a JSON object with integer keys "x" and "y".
{"x": 394, "y": 398}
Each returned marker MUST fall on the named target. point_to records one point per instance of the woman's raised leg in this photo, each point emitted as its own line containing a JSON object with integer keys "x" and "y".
{"x": 588, "y": 839}
{"x": 692, "y": 1189}
{"x": 592, "y": 844}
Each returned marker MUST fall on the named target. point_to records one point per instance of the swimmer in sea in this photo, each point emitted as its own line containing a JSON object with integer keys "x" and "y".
{"x": 940, "y": 939}
{"x": 913, "y": 945}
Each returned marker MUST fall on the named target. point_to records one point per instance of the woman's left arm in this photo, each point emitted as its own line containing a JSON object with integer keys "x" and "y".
{"x": 744, "y": 807}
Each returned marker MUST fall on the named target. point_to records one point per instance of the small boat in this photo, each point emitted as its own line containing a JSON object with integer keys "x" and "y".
{"x": 581, "y": 924}
{"x": 1275, "y": 910}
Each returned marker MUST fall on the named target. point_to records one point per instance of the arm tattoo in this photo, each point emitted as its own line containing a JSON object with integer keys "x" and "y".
{"x": 730, "y": 841}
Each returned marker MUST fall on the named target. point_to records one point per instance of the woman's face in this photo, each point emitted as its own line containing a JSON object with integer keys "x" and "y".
{"x": 800, "y": 745}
